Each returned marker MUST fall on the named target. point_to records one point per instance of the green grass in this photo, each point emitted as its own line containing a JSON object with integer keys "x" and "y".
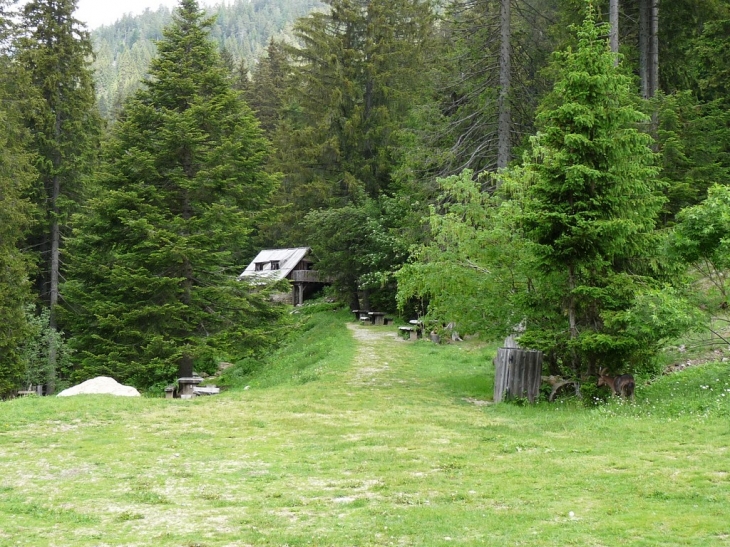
{"x": 353, "y": 438}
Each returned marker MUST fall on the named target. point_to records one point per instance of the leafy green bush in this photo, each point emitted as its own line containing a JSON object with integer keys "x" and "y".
{"x": 594, "y": 395}
{"x": 41, "y": 343}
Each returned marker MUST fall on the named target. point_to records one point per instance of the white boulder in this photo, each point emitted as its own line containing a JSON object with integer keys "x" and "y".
{"x": 100, "y": 385}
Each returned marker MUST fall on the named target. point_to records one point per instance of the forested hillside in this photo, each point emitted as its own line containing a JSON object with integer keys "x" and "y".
{"x": 552, "y": 169}
{"x": 242, "y": 28}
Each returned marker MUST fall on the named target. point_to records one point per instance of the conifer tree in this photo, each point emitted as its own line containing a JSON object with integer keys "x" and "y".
{"x": 567, "y": 247}
{"x": 16, "y": 177}
{"x": 264, "y": 93}
{"x": 356, "y": 76}
{"x": 240, "y": 78}
{"x": 64, "y": 125}
{"x": 487, "y": 83}
{"x": 592, "y": 204}
{"x": 156, "y": 257}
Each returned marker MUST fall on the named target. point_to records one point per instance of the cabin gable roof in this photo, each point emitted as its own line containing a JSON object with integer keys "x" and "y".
{"x": 274, "y": 264}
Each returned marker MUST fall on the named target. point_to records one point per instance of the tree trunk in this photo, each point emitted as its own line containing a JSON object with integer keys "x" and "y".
{"x": 654, "y": 57}
{"x": 55, "y": 261}
{"x": 613, "y": 20}
{"x": 55, "y": 228}
{"x": 364, "y": 300}
{"x": 649, "y": 47}
{"x": 55, "y": 254}
{"x": 185, "y": 368}
{"x": 505, "y": 78}
{"x": 572, "y": 321}
{"x": 644, "y": 41}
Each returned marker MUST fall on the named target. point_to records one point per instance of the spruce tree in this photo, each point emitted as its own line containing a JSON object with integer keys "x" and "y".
{"x": 62, "y": 118}
{"x": 263, "y": 93}
{"x": 16, "y": 177}
{"x": 567, "y": 247}
{"x": 488, "y": 80}
{"x": 355, "y": 78}
{"x": 156, "y": 257}
{"x": 592, "y": 206}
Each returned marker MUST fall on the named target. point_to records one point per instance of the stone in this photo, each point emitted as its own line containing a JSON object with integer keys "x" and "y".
{"x": 101, "y": 385}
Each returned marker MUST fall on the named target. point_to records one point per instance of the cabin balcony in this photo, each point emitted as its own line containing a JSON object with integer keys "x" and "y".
{"x": 306, "y": 276}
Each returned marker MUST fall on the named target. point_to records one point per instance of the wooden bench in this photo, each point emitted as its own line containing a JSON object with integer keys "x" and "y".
{"x": 410, "y": 333}
{"x": 37, "y": 390}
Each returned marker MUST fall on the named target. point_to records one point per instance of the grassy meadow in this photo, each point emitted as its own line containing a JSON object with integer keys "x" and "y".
{"x": 352, "y": 437}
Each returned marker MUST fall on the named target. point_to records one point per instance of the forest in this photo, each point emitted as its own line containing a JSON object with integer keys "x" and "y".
{"x": 554, "y": 168}
{"x": 242, "y": 30}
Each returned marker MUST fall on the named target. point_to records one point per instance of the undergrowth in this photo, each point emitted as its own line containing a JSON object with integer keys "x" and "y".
{"x": 317, "y": 339}
{"x": 701, "y": 391}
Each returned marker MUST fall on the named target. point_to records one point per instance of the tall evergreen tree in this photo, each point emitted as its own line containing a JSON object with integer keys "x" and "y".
{"x": 694, "y": 123}
{"x": 592, "y": 205}
{"x": 16, "y": 177}
{"x": 155, "y": 259}
{"x": 356, "y": 76}
{"x": 63, "y": 122}
{"x": 264, "y": 93}
{"x": 567, "y": 248}
{"x": 488, "y": 83}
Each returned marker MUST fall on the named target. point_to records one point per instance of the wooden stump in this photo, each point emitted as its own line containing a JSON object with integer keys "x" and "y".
{"x": 517, "y": 374}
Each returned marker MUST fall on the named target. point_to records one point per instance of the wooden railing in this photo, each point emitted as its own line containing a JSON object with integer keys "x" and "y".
{"x": 306, "y": 276}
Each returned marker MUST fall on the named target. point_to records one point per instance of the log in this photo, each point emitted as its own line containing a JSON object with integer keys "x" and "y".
{"x": 557, "y": 382}
{"x": 517, "y": 374}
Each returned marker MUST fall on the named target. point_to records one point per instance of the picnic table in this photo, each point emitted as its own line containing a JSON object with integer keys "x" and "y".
{"x": 377, "y": 317}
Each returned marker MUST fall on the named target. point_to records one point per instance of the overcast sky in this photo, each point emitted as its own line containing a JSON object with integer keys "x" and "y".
{"x": 104, "y": 12}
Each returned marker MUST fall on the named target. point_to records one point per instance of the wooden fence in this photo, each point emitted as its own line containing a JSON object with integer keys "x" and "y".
{"x": 517, "y": 374}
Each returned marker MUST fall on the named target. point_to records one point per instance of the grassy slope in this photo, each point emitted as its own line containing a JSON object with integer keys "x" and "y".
{"x": 369, "y": 442}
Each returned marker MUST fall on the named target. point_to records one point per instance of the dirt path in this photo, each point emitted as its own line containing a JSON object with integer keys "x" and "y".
{"x": 374, "y": 346}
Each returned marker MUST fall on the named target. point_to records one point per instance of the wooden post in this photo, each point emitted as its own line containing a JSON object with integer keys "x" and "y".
{"x": 517, "y": 374}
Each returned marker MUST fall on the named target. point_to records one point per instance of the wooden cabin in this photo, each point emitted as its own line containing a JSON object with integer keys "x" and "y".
{"x": 296, "y": 265}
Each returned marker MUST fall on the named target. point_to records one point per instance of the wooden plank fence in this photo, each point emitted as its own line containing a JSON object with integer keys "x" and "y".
{"x": 517, "y": 374}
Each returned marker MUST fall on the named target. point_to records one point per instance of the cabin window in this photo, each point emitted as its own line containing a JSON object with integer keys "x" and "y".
{"x": 259, "y": 266}
{"x": 274, "y": 264}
